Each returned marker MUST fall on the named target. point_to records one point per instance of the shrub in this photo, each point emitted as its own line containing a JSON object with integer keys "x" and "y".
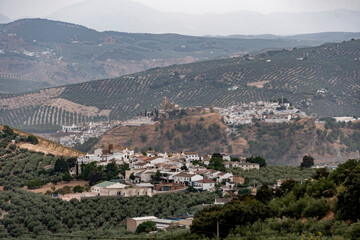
{"x": 147, "y": 226}
{"x": 32, "y": 139}
{"x": 35, "y": 183}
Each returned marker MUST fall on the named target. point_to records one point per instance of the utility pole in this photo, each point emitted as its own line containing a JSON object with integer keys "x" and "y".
{"x": 217, "y": 229}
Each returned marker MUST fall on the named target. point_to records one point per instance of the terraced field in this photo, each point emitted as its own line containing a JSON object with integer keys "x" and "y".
{"x": 54, "y": 53}
{"x": 296, "y": 75}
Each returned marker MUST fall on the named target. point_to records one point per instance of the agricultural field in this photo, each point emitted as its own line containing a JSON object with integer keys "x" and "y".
{"x": 46, "y": 53}
{"x": 295, "y": 74}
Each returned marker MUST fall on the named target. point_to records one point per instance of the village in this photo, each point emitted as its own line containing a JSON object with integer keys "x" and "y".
{"x": 241, "y": 114}
{"x": 269, "y": 112}
{"x": 152, "y": 173}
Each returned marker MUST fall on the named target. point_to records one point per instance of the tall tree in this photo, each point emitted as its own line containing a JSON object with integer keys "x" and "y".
{"x": 308, "y": 162}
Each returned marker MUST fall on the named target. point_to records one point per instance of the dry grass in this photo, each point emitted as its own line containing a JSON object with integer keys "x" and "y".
{"x": 59, "y": 185}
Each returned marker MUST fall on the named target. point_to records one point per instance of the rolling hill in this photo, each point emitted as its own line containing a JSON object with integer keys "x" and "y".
{"x": 297, "y": 75}
{"x": 56, "y": 53}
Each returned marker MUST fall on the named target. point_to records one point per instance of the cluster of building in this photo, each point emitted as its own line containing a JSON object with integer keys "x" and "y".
{"x": 73, "y": 134}
{"x": 173, "y": 172}
{"x": 270, "y": 112}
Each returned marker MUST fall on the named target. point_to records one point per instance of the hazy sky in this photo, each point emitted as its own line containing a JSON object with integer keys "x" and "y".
{"x": 15, "y": 9}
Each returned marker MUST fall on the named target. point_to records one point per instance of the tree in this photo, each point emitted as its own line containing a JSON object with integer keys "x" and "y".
{"x": 156, "y": 177}
{"x": 78, "y": 189}
{"x": 321, "y": 173}
{"x": 348, "y": 205}
{"x": 216, "y": 164}
{"x": 308, "y": 162}
{"x": 264, "y": 194}
{"x": 32, "y": 139}
{"x": 112, "y": 171}
{"x": 285, "y": 187}
{"x": 183, "y": 167}
{"x": 71, "y": 162}
{"x": 8, "y": 131}
{"x": 67, "y": 177}
{"x": 261, "y": 161}
{"x": 132, "y": 177}
{"x": 96, "y": 176}
{"x": 147, "y": 226}
{"x": 35, "y": 183}
{"x": 243, "y": 211}
{"x": 122, "y": 168}
{"x": 61, "y": 165}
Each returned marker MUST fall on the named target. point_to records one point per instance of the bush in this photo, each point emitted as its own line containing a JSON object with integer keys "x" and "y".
{"x": 32, "y": 139}
{"x": 147, "y": 226}
{"x": 78, "y": 189}
{"x": 35, "y": 183}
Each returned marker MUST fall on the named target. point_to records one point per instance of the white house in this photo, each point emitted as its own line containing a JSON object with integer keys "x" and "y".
{"x": 187, "y": 178}
{"x": 224, "y": 176}
{"x": 248, "y": 166}
{"x": 191, "y": 156}
{"x": 205, "y": 184}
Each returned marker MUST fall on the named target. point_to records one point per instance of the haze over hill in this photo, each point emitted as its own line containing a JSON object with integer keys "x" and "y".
{"x": 129, "y": 16}
{"x": 4, "y": 19}
{"x": 196, "y": 17}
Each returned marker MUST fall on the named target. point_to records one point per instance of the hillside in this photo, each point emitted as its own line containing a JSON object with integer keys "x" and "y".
{"x": 46, "y": 146}
{"x": 24, "y": 158}
{"x": 280, "y": 144}
{"x": 56, "y": 53}
{"x": 296, "y": 75}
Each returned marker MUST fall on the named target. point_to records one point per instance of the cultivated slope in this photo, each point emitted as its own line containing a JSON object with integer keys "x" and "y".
{"x": 59, "y": 53}
{"x": 296, "y": 75}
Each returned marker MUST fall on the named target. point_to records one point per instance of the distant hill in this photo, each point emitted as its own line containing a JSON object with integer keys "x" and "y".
{"x": 129, "y": 16}
{"x": 321, "y": 36}
{"x": 299, "y": 75}
{"x": 57, "y": 53}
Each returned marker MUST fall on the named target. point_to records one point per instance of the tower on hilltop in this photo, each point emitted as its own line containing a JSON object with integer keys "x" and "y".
{"x": 165, "y": 103}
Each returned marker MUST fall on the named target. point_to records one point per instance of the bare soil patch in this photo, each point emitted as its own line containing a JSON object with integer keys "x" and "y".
{"x": 59, "y": 185}
{"x": 259, "y": 84}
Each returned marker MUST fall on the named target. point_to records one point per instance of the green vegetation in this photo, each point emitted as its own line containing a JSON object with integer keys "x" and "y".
{"x": 276, "y": 142}
{"x": 145, "y": 227}
{"x": 270, "y": 174}
{"x": 308, "y": 162}
{"x": 20, "y": 167}
{"x": 261, "y": 161}
{"x": 216, "y": 164}
{"x": 41, "y": 216}
{"x": 293, "y": 210}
